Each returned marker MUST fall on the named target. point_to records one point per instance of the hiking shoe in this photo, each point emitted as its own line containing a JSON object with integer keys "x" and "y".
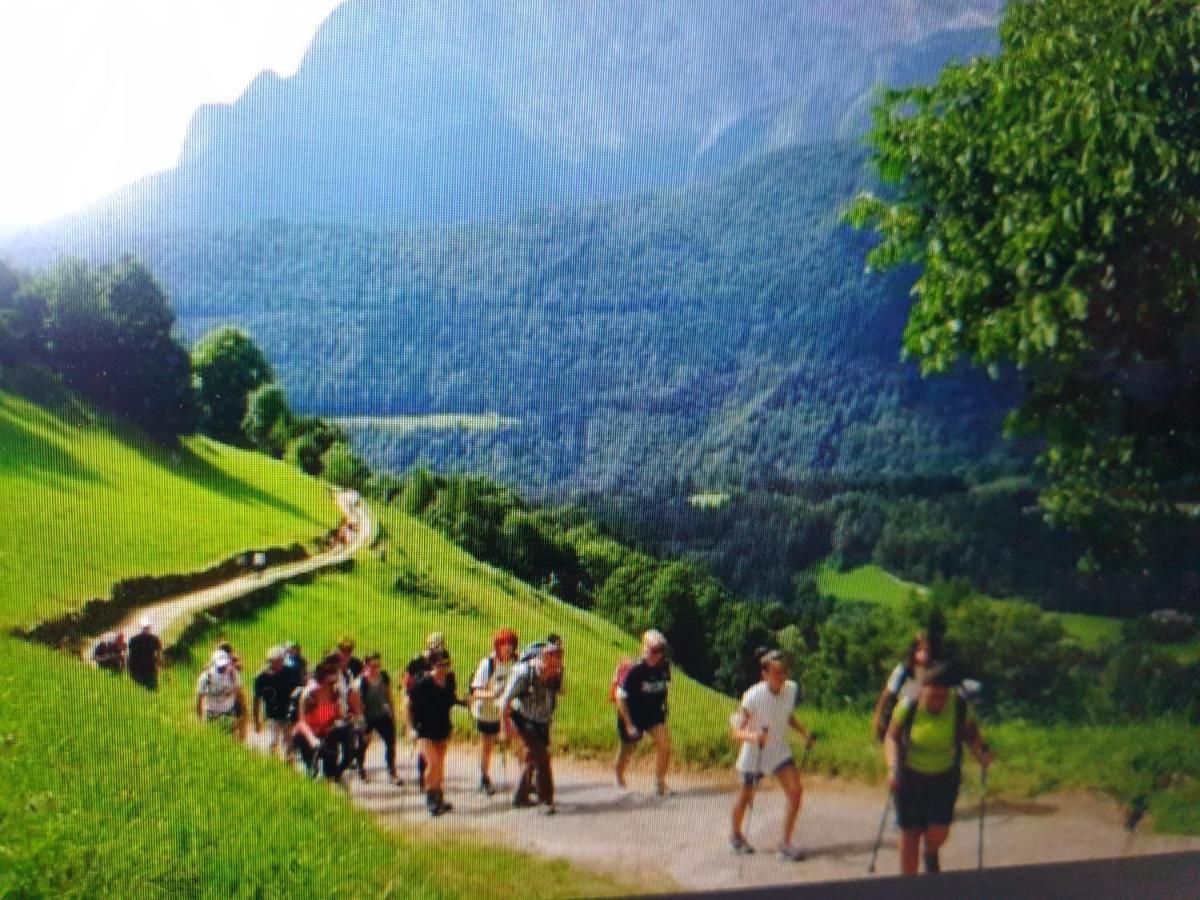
{"x": 661, "y": 789}
{"x": 486, "y": 786}
{"x": 740, "y": 845}
{"x": 522, "y": 803}
{"x": 551, "y": 810}
{"x": 791, "y": 853}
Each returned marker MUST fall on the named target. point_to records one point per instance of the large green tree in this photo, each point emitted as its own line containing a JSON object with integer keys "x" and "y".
{"x": 1051, "y": 198}
{"x": 227, "y": 365}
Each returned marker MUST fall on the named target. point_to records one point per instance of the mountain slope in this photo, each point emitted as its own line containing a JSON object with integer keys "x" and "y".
{"x": 409, "y": 111}
{"x": 721, "y": 332}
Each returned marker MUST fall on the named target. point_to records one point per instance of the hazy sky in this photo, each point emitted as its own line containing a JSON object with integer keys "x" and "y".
{"x": 95, "y": 93}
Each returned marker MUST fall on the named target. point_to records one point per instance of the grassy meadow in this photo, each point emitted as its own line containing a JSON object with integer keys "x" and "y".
{"x": 110, "y": 791}
{"x": 86, "y": 505}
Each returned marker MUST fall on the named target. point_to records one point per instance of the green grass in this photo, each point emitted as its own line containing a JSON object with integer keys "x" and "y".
{"x": 85, "y": 506}
{"x": 873, "y": 584}
{"x": 431, "y": 422}
{"x": 867, "y": 584}
{"x": 111, "y": 791}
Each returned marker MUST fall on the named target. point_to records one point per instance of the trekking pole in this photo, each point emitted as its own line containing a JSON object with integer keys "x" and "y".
{"x": 982, "y": 814}
{"x": 887, "y": 806}
{"x": 808, "y": 745}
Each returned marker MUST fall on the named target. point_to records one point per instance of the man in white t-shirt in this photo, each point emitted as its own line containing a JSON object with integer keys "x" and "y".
{"x": 762, "y": 723}
{"x": 219, "y": 695}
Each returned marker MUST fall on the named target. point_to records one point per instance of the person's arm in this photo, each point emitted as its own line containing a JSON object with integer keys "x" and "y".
{"x": 795, "y": 725}
{"x": 623, "y": 711}
{"x": 389, "y": 698}
{"x": 742, "y": 730}
{"x": 200, "y": 699}
{"x": 976, "y": 744}
{"x": 241, "y": 699}
{"x": 892, "y": 752}
{"x": 258, "y": 703}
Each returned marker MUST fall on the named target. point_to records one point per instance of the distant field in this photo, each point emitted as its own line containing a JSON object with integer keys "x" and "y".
{"x": 872, "y": 584}
{"x": 434, "y": 422}
{"x": 708, "y": 501}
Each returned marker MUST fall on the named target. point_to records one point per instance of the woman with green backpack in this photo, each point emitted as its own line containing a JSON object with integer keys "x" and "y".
{"x": 924, "y": 745}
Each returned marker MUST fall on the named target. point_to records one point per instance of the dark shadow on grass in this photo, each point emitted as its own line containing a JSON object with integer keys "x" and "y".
{"x": 181, "y": 460}
{"x": 25, "y": 453}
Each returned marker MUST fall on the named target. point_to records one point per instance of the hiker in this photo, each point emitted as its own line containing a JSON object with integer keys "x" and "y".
{"x": 486, "y": 689}
{"x": 430, "y": 702}
{"x": 761, "y": 723}
{"x": 273, "y": 688}
{"x": 219, "y": 695}
{"x": 227, "y": 648}
{"x": 349, "y": 669}
{"x": 528, "y": 705}
{"x": 144, "y": 657}
{"x": 375, "y": 692}
{"x": 109, "y": 653}
{"x": 924, "y": 754}
{"x": 296, "y": 664}
{"x": 905, "y": 681}
{"x": 641, "y": 698}
{"x": 321, "y": 732}
{"x": 417, "y": 667}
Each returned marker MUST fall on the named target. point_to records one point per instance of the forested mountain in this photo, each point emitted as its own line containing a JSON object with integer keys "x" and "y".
{"x": 716, "y": 335}
{"x": 410, "y": 111}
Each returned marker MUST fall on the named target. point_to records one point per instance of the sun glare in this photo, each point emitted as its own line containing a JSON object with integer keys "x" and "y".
{"x": 98, "y": 93}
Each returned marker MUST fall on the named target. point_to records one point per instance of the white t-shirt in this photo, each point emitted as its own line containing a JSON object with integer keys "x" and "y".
{"x": 773, "y": 712}
{"x": 492, "y": 676}
{"x": 219, "y": 690}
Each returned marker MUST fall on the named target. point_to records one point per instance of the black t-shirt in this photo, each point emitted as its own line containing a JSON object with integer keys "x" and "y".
{"x": 355, "y": 665}
{"x": 430, "y": 706}
{"x": 142, "y": 654}
{"x": 645, "y": 689}
{"x": 416, "y": 668}
{"x": 275, "y": 691}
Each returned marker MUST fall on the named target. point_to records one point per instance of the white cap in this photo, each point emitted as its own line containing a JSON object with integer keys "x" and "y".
{"x": 221, "y": 659}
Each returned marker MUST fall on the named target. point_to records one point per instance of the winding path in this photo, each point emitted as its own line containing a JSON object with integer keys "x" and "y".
{"x": 169, "y": 617}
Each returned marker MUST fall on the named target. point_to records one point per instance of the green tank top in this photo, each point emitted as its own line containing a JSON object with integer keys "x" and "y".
{"x": 932, "y": 742}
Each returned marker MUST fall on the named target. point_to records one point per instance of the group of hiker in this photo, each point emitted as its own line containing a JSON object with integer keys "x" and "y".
{"x": 329, "y": 717}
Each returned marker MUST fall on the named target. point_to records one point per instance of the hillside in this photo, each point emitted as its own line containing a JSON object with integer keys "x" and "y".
{"x": 715, "y": 333}
{"x": 112, "y": 791}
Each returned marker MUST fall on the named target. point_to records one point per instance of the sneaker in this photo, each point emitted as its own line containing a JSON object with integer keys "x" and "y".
{"x": 661, "y": 789}
{"x": 739, "y": 845}
{"x": 522, "y": 803}
{"x": 486, "y": 786}
{"x": 791, "y": 853}
{"x": 551, "y": 809}
{"x": 444, "y": 807}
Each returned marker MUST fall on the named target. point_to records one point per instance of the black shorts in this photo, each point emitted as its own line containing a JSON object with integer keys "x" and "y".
{"x": 488, "y": 728}
{"x": 626, "y": 737}
{"x": 925, "y": 800}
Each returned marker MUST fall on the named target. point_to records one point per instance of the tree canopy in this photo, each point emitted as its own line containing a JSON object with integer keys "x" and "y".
{"x": 227, "y": 366}
{"x": 1051, "y": 197}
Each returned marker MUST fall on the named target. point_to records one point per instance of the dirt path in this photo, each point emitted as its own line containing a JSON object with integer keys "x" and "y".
{"x": 169, "y": 617}
{"x": 679, "y": 841}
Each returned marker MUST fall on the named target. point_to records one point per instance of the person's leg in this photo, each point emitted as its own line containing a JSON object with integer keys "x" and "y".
{"x": 543, "y": 773}
{"x": 789, "y": 780}
{"x": 486, "y": 743}
{"x": 385, "y": 727}
{"x": 625, "y": 750}
{"x": 935, "y": 836}
{"x": 744, "y": 798}
{"x": 662, "y": 755}
{"x": 910, "y": 848}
